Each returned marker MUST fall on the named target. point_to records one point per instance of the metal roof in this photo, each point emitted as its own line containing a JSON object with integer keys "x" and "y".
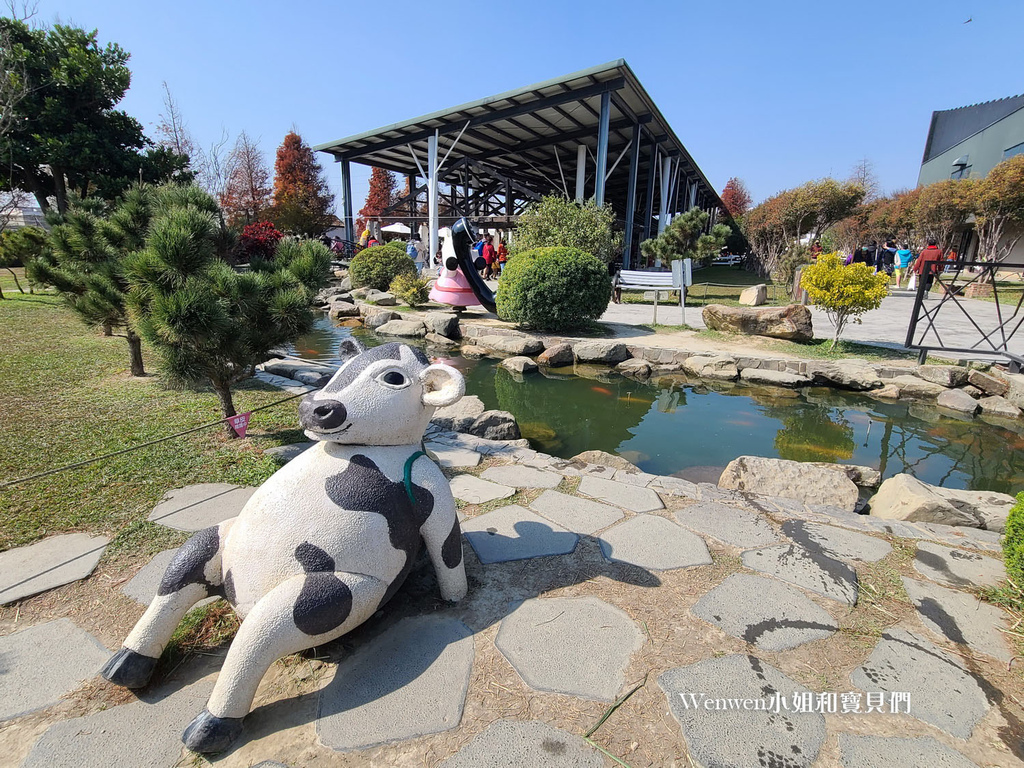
{"x": 530, "y": 134}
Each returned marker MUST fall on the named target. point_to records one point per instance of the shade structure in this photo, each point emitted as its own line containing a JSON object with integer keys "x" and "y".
{"x": 398, "y": 228}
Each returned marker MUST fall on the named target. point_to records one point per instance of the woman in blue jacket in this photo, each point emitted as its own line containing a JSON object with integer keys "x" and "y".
{"x": 902, "y": 261}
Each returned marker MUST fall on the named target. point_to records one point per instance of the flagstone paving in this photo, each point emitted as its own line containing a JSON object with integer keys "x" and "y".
{"x": 764, "y": 612}
{"x": 649, "y": 541}
{"x": 510, "y": 744}
{"x": 575, "y": 645}
{"x": 142, "y": 587}
{"x": 195, "y": 507}
{"x": 40, "y": 664}
{"x": 49, "y": 563}
{"x": 440, "y": 671}
{"x": 943, "y": 693}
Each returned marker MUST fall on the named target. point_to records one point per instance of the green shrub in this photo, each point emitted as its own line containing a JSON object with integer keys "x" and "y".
{"x": 556, "y": 221}
{"x": 1013, "y": 543}
{"x": 376, "y": 267}
{"x": 553, "y": 289}
{"x": 410, "y": 289}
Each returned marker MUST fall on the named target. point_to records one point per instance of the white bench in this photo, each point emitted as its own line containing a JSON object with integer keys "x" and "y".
{"x": 642, "y": 280}
{"x": 726, "y": 261}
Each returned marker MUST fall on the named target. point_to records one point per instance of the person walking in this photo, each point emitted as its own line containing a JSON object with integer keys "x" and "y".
{"x": 887, "y": 258}
{"x": 502, "y": 256}
{"x": 927, "y": 264}
{"x": 904, "y": 256}
{"x": 490, "y": 257}
{"x": 415, "y": 252}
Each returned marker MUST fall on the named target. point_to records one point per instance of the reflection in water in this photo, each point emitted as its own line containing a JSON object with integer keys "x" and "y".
{"x": 672, "y": 425}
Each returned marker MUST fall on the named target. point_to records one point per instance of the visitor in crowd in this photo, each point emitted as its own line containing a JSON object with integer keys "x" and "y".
{"x": 364, "y": 238}
{"x": 372, "y": 242}
{"x": 502, "y": 256}
{"x": 490, "y": 257}
{"x": 901, "y": 263}
{"x": 927, "y": 264}
{"x": 816, "y": 250}
{"x": 415, "y": 252}
{"x": 886, "y": 258}
{"x": 438, "y": 260}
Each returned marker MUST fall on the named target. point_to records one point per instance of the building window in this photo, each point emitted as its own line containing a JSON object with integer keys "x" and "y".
{"x": 960, "y": 172}
{"x": 1014, "y": 150}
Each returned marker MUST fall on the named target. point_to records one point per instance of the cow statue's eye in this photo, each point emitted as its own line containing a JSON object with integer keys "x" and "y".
{"x": 393, "y": 379}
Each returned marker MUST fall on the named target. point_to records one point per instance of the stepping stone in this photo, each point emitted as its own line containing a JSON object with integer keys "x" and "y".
{"x": 942, "y": 692}
{"x": 473, "y": 490}
{"x": 142, "y": 733}
{"x": 650, "y": 541}
{"x": 40, "y": 664}
{"x": 764, "y": 612}
{"x": 806, "y": 568}
{"x": 957, "y": 568}
{"x": 516, "y": 533}
{"x": 621, "y": 495}
{"x": 519, "y": 476}
{"x": 455, "y": 458}
{"x": 575, "y": 514}
{"x": 730, "y": 525}
{"x": 734, "y": 736}
{"x": 959, "y": 617}
{"x": 49, "y": 563}
{"x": 285, "y": 453}
{"x": 508, "y": 743}
{"x": 872, "y": 751}
{"x": 195, "y": 507}
{"x": 956, "y": 536}
{"x": 142, "y": 587}
{"x": 575, "y": 645}
{"x": 409, "y": 681}
{"x": 836, "y": 542}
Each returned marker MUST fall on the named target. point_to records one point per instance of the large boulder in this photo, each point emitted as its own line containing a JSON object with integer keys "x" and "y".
{"x": 792, "y": 479}
{"x": 1015, "y": 388}
{"x": 610, "y": 352}
{"x": 378, "y": 317}
{"x": 635, "y": 368}
{"x": 865, "y": 477}
{"x": 946, "y": 375}
{"x": 381, "y": 298}
{"x": 774, "y": 378}
{"x": 958, "y": 400}
{"x": 718, "y": 367}
{"x": 918, "y": 389}
{"x": 495, "y": 425}
{"x": 791, "y": 322}
{"x": 605, "y": 459}
{"x": 442, "y": 323}
{"x": 998, "y": 406}
{"x": 858, "y": 375}
{"x": 340, "y": 309}
{"x": 557, "y": 355}
{"x": 459, "y": 416}
{"x": 346, "y": 283}
{"x": 439, "y": 340}
{"x": 904, "y": 497}
{"x": 412, "y": 328}
{"x": 511, "y": 345}
{"x": 754, "y": 296}
{"x": 989, "y": 383}
{"x": 518, "y": 364}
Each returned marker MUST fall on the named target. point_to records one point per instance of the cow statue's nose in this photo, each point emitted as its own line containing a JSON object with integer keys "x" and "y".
{"x": 322, "y": 415}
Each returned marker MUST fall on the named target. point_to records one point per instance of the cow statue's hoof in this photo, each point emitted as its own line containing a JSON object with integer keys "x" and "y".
{"x": 209, "y": 734}
{"x": 129, "y": 669}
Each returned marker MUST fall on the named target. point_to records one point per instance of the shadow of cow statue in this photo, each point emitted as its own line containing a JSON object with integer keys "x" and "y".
{"x": 323, "y": 543}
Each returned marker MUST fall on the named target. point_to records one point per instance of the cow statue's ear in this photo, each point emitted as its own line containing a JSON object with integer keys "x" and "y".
{"x": 442, "y": 385}
{"x": 348, "y": 349}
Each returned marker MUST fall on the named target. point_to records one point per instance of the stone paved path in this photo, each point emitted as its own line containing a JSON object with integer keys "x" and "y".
{"x": 585, "y": 584}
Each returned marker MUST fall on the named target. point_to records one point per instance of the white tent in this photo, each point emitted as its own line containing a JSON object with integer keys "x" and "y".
{"x": 396, "y": 229}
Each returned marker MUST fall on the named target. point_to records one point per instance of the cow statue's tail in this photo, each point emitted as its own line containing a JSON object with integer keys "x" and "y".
{"x": 463, "y": 236}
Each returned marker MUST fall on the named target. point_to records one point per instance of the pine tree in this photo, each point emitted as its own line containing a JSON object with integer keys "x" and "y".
{"x": 302, "y": 201}
{"x": 246, "y": 197}
{"x": 683, "y": 239}
{"x": 380, "y": 196}
{"x": 86, "y": 259}
{"x": 207, "y": 321}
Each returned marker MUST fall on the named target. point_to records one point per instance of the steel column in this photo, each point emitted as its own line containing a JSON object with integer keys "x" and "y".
{"x": 346, "y": 200}
{"x": 602, "y": 148}
{"x": 432, "y": 192}
{"x": 666, "y": 171}
{"x": 652, "y": 165}
{"x": 581, "y": 172}
{"x": 634, "y": 167}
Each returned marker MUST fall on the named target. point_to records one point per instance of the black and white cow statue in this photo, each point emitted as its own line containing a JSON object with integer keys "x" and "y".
{"x": 323, "y": 543}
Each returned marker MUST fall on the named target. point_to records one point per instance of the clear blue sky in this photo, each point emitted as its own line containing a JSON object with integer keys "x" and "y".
{"x": 773, "y": 92}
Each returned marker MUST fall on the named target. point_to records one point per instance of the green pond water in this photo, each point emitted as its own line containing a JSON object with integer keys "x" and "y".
{"x": 673, "y": 426}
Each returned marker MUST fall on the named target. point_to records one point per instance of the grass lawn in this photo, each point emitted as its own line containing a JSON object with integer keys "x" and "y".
{"x": 66, "y": 395}
{"x": 726, "y": 285}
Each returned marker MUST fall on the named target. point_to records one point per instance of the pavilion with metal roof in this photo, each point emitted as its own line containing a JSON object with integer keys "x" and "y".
{"x": 592, "y": 134}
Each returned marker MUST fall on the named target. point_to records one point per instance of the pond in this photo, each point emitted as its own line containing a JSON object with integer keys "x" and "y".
{"x": 673, "y": 426}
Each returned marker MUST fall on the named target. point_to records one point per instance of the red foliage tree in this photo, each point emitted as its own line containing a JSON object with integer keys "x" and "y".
{"x": 302, "y": 200}
{"x": 246, "y": 197}
{"x": 736, "y": 197}
{"x": 259, "y": 239}
{"x": 380, "y": 196}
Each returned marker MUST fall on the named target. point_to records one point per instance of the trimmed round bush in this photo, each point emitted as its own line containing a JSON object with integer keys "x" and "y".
{"x": 553, "y": 289}
{"x": 1013, "y": 543}
{"x": 376, "y": 267}
{"x": 410, "y": 289}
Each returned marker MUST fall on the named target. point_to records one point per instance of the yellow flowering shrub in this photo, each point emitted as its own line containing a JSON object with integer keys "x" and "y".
{"x": 843, "y": 291}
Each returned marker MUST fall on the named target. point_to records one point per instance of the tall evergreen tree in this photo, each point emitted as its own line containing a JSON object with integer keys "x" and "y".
{"x": 303, "y": 202}
{"x": 207, "y": 321}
